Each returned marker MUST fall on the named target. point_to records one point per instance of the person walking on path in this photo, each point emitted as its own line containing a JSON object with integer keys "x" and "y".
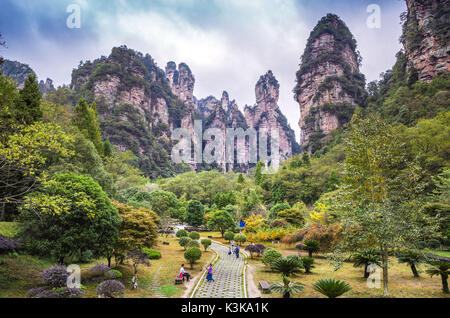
{"x": 230, "y": 251}
{"x": 237, "y": 251}
{"x": 209, "y": 276}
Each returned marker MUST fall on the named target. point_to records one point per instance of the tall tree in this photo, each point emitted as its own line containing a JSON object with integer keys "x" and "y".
{"x": 380, "y": 192}
{"x": 28, "y": 105}
{"x": 85, "y": 118}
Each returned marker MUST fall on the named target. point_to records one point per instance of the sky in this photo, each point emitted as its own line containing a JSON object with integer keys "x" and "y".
{"x": 228, "y": 44}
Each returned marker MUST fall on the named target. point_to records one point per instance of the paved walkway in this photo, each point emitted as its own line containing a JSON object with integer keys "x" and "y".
{"x": 228, "y": 276}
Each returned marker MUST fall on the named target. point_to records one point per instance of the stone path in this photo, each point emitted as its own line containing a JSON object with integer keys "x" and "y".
{"x": 228, "y": 276}
{"x": 154, "y": 286}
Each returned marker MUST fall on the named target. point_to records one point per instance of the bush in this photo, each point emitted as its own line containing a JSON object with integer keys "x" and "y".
{"x": 193, "y": 243}
{"x": 308, "y": 264}
{"x": 194, "y": 235}
{"x": 43, "y": 292}
{"x": 99, "y": 270}
{"x": 270, "y": 255}
{"x": 184, "y": 241}
{"x": 288, "y": 265}
{"x": 277, "y": 208}
{"x": 181, "y": 233}
{"x": 113, "y": 274}
{"x": 240, "y": 238}
{"x": 260, "y": 248}
{"x": 151, "y": 254}
{"x": 206, "y": 243}
{"x": 252, "y": 249}
{"x": 7, "y": 245}
{"x": 70, "y": 292}
{"x": 110, "y": 289}
{"x": 331, "y": 288}
{"x": 55, "y": 276}
{"x": 365, "y": 258}
{"x": 229, "y": 236}
{"x": 192, "y": 255}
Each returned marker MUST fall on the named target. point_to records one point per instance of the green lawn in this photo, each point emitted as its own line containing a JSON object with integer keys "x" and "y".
{"x": 440, "y": 253}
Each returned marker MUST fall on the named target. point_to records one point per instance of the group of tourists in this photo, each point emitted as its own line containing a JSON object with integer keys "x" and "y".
{"x": 234, "y": 250}
{"x": 209, "y": 276}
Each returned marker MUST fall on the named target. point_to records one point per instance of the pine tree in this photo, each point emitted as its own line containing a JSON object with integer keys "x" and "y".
{"x": 107, "y": 148}
{"x": 28, "y": 105}
{"x": 258, "y": 173}
{"x": 85, "y": 118}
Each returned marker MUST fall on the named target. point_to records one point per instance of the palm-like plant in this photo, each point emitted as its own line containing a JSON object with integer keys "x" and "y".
{"x": 438, "y": 267}
{"x": 288, "y": 265}
{"x": 312, "y": 246}
{"x": 287, "y": 288}
{"x": 331, "y": 287}
{"x": 308, "y": 264}
{"x": 412, "y": 258}
{"x": 365, "y": 258}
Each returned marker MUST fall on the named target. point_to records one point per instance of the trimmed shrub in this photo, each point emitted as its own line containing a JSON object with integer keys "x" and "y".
{"x": 240, "y": 238}
{"x": 193, "y": 243}
{"x": 260, "y": 248}
{"x": 229, "y": 236}
{"x": 110, "y": 289}
{"x": 194, "y": 235}
{"x": 252, "y": 249}
{"x": 270, "y": 255}
{"x": 184, "y": 241}
{"x": 287, "y": 265}
{"x": 55, "y": 276}
{"x": 43, "y": 292}
{"x": 181, "y": 233}
{"x": 312, "y": 246}
{"x": 70, "y": 292}
{"x": 192, "y": 255}
{"x": 206, "y": 243}
{"x": 151, "y": 254}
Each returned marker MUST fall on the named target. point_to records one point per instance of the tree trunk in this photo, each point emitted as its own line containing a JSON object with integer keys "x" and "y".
{"x": 310, "y": 253}
{"x": 2, "y": 212}
{"x": 61, "y": 260}
{"x": 366, "y": 273}
{"x": 414, "y": 270}
{"x": 385, "y": 258}
{"x": 286, "y": 295}
{"x": 109, "y": 261}
{"x": 444, "y": 283}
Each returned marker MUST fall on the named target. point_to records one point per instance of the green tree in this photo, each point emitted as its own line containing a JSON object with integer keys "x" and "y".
{"x": 195, "y": 213}
{"x": 85, "y": 118}
{"x": 194, "y": 235}
{"x": 192, "y": 255}
{"x": 221, "y": 221}
{"x": 70, "y": 215}
{"x": 138, "y": 229}
{"x": 441, "y": 268}
{"x": 411, "y": 257}
{"x": 107, "y": 148}
{"x": 240, "y": 178}
{"x": 380, "y": 192}
{"x": 206, "y": 243}
{"x": 259, "y": 177}
{"x": 270, "y": 255}
{"x": 277, "y": 208}
{"x": 312, "y": 246}
{"x": 181, "y": 233}
{"x": 287, "y": 288}
{"x": 184, "y": 241}
{"x": 292, "y": 216}
{"x": 287, "y": 266}
{"x": 28, "y": 106}
{"x": 366, "y": 257}
{"x": 229, "y": 236}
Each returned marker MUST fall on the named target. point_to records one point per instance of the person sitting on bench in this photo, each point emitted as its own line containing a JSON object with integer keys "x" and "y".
{"x": 184, "y": 274}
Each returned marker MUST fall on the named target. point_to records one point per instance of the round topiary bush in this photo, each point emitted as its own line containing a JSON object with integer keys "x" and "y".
{"x": 70, "y": 292}
{"x": 240, "y": 238}
{"x": 110, "y": 289}
{"x": 193, "y": 243}
{"x": 194, "y": 235}
{"x": 181, "y": 233}
{"x": 55, "y": 276}
{"x": 184, "y": 241}
{"x": 206, "y": 243}
{"x": 192, "y": 255}
{"x": 43, "y": 292}
{"x": 151, "y": 254}
{"x": 270, "y": 255}
{"x": 229, "y": 236}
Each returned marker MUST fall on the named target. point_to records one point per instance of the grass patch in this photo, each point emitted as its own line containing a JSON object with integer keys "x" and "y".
{"x": 439, "y": 253}
{"x": 9, "y": 229}
{"x": 169, "y": 290}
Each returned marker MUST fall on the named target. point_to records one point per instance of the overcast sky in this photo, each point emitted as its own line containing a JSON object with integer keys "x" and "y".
{"x": 228, "y": 44}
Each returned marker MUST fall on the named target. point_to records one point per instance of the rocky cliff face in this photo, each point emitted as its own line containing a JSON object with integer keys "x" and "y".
{"x": 426, "y": 37}
{"x": 329, "y": 84}
{"x": 266, "y": 114}
{"x": 19, "y": 72}
{"x": 136, "y": 105}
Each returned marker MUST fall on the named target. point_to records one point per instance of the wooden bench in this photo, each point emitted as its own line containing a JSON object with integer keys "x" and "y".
{"x": 178, "y": 281}
{"x": 264, "y": 286}
{"x": 166, "y": 243}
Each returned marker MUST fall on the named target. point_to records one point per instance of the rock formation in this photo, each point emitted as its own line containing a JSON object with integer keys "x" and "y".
{"x": 329, "y": 84}
{"x": 426, "y": 37}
